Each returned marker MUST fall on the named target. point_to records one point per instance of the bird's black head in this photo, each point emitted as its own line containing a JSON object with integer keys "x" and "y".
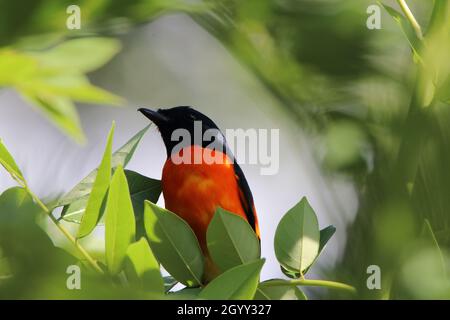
{"x": 187, "y": 118}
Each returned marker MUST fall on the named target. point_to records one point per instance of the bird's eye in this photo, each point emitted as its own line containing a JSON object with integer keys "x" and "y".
{"x": 192, "y": 117}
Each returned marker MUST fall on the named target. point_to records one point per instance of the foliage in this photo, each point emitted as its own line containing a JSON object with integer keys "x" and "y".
{"x": 382, "y": 119}
{"x": 408, "y": 183}
{"x": 52, "y": 79}
{"x": 377, "y": 100}
{"x": 134, "y": 261}
{"x": 48, "y": 64}
{"x": 243, "y": 244}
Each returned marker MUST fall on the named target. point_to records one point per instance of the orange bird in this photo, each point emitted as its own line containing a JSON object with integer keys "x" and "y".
{"x": 200, "y": 173}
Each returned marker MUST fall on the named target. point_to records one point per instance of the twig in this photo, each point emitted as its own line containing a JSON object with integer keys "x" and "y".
{"x": 91, "y": 261}
{"x": 412, "y": 20}
{"x": 312, "y": 283}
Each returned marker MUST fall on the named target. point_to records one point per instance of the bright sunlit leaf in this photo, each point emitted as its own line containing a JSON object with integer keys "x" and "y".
{"x": 99, "y": 190}
{"x": 72, "y": 54}
{"x": 142, "y": 268}
{"x": 297, "y": 238}
{"x": 141, "y": 188}
{"x": 8, "y": 162}
{"x": 74, "y": 86}
{"x": 119, "y": 222}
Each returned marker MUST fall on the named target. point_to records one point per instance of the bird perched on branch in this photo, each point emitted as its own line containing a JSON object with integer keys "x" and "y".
{"x": 200, "y": 173}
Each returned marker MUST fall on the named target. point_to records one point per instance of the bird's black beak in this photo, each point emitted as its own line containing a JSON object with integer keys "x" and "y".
{"x": 155, "y": 116}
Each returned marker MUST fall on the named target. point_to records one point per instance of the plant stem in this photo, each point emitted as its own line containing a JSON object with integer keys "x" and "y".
{"x": 412, "y": 20}
{"x": 91, "y": 261}
{"x": 312, "y": 283}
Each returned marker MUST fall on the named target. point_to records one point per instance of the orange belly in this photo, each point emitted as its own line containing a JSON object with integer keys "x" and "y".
{"x": 194, "y": 191}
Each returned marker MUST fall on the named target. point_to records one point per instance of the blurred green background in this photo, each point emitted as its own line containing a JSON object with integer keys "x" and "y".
{"x": 363, "y": 114}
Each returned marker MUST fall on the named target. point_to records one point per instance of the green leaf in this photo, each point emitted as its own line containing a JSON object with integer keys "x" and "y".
{"x": 15, "y": 67}
{"x": 7, "y": 161}
{"x": 288, "y": 292}
{"x": 438, "y": 46}
{"x": 174, "y": 244}
{"x": 121, "y": 157}
{"x": 406, "y": 28}
{"x": 119, "y": 221}
{"x": 325, "y": 236}
{"x": 124, "y": 154}
{"x": 141, "y": 188}
{"x": 16, "y": 203}
{"x": 185, "y": 294}
{"x": 231, "y": 240}
{"x": 74, "y": 86}
{"x": 142, "y": 268}
{"x": 297, "y": 238}
{"x": 51, "y": 80}
{"x": 99, "y": 190}
{"x": 71, "y": 55}
{"x": 237, "y": 283}
{"x": 60, "y": 110}
{"x": 28, "y": 248}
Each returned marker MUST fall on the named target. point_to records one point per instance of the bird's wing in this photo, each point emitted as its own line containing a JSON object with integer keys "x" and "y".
{"x": 246, "y": 197}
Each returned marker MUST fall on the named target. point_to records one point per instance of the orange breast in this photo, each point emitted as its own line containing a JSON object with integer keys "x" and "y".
{"x": 194, "y": 191}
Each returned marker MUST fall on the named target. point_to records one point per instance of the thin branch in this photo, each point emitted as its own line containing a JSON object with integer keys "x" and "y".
{"x": 312, "y": 283}
{"x": 91, "y": 261}
{"x": 410, "y": 16}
